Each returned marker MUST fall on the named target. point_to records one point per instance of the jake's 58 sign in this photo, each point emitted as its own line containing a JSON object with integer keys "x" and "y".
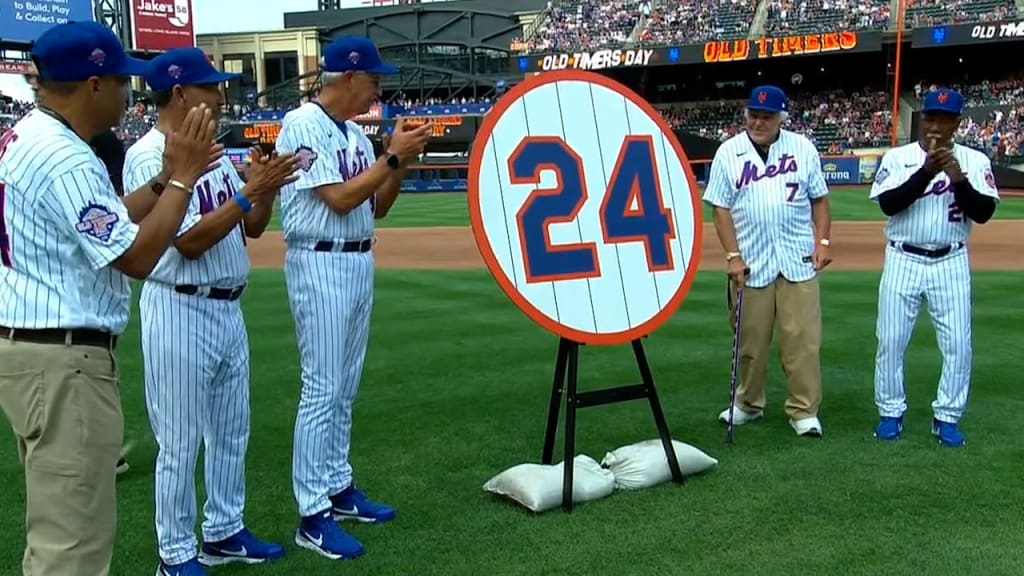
{"x": 584, "y": 207}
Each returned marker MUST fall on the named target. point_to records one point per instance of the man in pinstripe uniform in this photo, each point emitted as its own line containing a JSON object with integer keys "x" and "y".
{"x": 328, "y": 230}
{"x": 932, "y": 190}
{"x": 68, "y": 244}
{"x": 772, "y": 217}
{"x": 194, "y": 342}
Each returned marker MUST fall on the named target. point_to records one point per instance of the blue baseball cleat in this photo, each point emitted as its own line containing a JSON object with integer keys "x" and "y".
{"x": 948, "y": 433}
{"x": 322, "y": 535}
{"x": 242, "y": 547}
{"x": 352, "y": 504}
{"x": 189, "y": 568}
{"x": 889, "y": 428}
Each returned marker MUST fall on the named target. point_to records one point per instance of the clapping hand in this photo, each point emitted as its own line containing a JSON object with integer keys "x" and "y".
{"x": 408, "y": 142}
{"x": 267, "y": 173}
{"x": 190, "y": 151}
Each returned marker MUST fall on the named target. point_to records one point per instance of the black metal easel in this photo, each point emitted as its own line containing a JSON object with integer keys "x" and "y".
{"x": 566, "y": 372}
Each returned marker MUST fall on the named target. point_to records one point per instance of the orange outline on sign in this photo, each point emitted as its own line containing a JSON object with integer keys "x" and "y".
{"x": 487, "y": 252}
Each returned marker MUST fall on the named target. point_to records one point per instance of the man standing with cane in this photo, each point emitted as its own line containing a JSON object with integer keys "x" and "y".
{"x": 68, "y": 246}
{"x": 772, "y": 217}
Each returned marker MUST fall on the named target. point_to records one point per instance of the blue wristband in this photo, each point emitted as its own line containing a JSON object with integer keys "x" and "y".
{"x": 243, "y": 202}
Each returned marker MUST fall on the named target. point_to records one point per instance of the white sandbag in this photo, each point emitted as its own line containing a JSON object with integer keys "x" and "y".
{"x": 538, "y": 487}
{"x": 645, "y": 464}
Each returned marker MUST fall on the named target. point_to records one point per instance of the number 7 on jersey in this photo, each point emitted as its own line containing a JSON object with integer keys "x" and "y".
{"x": 632, "y": 209}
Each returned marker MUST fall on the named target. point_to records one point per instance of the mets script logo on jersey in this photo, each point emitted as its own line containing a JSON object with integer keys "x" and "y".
{"x": 941, "y": 186}
{"x": 785, "y": 165}
{"x": 306, "y": 157}
{"x": 355, "y": 166}
{"x": 96, "y": 221}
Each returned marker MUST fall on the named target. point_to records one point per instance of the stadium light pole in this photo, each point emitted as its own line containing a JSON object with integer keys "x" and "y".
{"x": 894, "y": 129}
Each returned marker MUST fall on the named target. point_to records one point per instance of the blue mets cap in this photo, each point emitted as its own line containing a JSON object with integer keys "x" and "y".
{"x": 355, "y": 54}
{"x": 77, "y": 51}
{"x": 768, "y": 99}
{"x": 943, "y": 100}
{"x": 185, "y": 67}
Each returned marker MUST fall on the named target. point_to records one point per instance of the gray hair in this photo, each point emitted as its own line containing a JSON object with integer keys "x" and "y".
{"x": 782, "y": 115}
{"x": 328, "y": 78}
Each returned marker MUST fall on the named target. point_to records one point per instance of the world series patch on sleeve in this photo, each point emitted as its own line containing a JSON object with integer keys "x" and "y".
{"x": 584, "y": 207}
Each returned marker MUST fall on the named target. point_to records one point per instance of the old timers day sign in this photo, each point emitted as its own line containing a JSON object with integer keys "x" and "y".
{"x": 584, "y": 207}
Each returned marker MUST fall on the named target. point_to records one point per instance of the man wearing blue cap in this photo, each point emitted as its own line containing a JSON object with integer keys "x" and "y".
{"x": 931, "y": 190}
{"x": 194, "y": 343}
{"x": 68, "y": 245}
{"x": 328, "y": 219}
{"x": 772, "y": 216}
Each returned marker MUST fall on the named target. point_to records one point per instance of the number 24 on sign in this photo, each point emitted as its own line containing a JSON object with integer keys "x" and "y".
{"x": 632, "y": 208}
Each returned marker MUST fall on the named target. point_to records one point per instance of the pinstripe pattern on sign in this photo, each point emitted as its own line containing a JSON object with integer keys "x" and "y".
{"x": 63, "y": 226}
{"x": 614, "y": 260}
{"x": 330, "y": 294}
{"x": 769, "y": 202}
{"x": 226, "y": 263}
{"x": 196, "y": 366}
{"x": 932, "y": 221}
{"x": 330, "y": 155}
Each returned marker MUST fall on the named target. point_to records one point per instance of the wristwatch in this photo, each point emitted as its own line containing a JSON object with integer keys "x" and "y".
{"x": 393, "y": 161}
{"x": 730, "y": 255}
{"x": 824, "y": 242}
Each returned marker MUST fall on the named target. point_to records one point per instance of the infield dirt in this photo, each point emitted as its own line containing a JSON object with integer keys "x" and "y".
{"x": 997, "y": 245}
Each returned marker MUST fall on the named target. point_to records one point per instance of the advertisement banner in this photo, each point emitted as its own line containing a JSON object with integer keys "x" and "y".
{"x": 26, "y": 20}
{"x": 841, "y": 169}
{"x": 709, "y": 52}
{"x": 15, "y": 67}
{"x": 796, "y": 45}
{"x": 159, "y": 25}
{"x": 962, "y": 34}
{"x": 447, "y": 129}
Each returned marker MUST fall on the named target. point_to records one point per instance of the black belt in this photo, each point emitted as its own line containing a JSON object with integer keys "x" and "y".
{"x": 936, "y": 253}
{"x": 350, "y": 246}
{"x": 214, "y": 293}
{"x": 79, "y": 337}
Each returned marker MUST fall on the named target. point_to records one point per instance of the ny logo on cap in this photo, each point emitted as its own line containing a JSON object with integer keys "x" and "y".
{"x": 353, "y": 57}
{"x": 174, "y": 70}
{"x": 98, "y": 57}
{"x": 762, "y": 96}
{"x": 943, "y": 96}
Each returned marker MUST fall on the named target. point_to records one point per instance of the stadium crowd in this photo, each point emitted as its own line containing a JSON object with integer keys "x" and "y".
{"x": 568, "y": 25}
{"x": 835, "y": 121}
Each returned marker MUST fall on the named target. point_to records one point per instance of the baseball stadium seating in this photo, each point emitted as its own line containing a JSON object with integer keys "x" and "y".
{"x": 586, "y": 25}
{"x": 787, "y": 17}
{"x": 692, "y": 21}
{"x": 922, "y": 13}
{"x": 835, "y": 121}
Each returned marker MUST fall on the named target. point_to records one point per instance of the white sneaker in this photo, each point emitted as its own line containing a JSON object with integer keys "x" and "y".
{"x": 739, "y": 416}
{"x": 807, "y": 427}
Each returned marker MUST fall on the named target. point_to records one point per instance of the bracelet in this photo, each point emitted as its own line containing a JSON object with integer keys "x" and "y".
{"x": 178, "y": 184}
{"x": 243, "y": 202}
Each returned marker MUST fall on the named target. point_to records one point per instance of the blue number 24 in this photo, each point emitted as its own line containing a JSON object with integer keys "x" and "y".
{"x": 632, "y": 209}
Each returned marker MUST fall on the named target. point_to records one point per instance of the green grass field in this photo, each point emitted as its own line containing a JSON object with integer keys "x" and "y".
{"x": 450, "y": 209}
{"x": 455, "y": 390}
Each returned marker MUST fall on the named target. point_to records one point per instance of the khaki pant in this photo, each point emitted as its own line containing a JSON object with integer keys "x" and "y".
{"x": 795, "y": 309}
{"x": 64, "y": 406}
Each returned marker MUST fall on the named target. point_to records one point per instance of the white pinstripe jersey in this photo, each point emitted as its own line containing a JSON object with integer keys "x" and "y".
{"x": 226, "y": 263}
{"x": 329, "y": 155}
{"x": 64, "y": 225}
{"x": 933, "y": 219}
{"x": 770, "y": 203}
